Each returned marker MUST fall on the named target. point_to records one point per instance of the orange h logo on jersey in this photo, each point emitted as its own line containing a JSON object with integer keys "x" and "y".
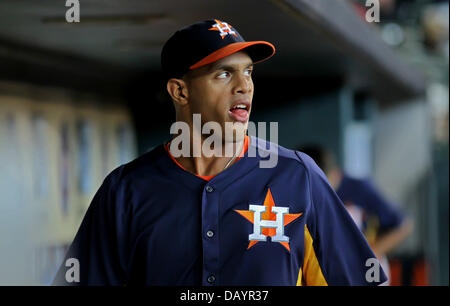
{"x": 223, "y": 27}
{"x": 268, "y": 220}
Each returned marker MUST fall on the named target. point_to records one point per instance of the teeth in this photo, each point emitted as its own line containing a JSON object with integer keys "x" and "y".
{"x": 241, "y": 106}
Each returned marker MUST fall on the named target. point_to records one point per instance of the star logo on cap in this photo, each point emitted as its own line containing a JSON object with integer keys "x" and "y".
{"x": 223, "y": 28}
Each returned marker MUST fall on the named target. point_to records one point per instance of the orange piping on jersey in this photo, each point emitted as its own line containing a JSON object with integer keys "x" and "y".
{"x": 208, "y": 177}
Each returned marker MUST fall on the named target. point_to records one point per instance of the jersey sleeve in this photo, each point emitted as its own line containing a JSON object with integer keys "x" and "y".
{"x": 96, "y": 246}
{"x": 336, "y": 252}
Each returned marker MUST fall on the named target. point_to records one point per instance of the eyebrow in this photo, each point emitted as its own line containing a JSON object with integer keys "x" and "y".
{"x": 227, "y": 67}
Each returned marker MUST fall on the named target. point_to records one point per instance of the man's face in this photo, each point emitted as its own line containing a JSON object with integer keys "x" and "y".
{"x": 223, "y": 92}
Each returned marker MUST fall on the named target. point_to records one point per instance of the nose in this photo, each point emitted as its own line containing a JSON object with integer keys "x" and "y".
{"x": 243, "y": 84}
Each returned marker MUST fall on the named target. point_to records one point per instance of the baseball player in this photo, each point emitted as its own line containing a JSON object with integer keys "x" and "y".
{"x": 383, "y": 224}
{"x": 192, "y": 219}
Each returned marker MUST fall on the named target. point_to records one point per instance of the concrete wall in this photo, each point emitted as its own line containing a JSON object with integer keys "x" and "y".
{"x": 402, "y": 162}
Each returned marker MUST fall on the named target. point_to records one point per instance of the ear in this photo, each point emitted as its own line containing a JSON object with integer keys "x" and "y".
{"x": 178, "y": 91}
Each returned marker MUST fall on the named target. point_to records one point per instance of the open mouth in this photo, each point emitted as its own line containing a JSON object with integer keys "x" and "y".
{"x": 240, "y": 112}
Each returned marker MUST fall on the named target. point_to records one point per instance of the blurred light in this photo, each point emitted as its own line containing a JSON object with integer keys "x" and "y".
{"x": 392, "y": 34}
{"x": 437, "y": 95}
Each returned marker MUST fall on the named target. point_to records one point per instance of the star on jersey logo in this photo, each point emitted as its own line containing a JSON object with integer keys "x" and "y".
{"x": 223, "y": 28}
{"x": 268, "y": 220}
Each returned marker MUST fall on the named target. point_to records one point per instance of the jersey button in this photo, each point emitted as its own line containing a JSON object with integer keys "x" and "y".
{"x": 209, "y": 189}
{"x": 211, "y": 279}
{"x": 210, "y": 234}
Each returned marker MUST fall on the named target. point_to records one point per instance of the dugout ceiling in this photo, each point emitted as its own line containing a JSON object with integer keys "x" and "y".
{"x": 119, "y": 39}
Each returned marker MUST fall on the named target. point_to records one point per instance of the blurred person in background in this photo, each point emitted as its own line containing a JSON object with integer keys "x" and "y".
{"x": 382, "y": 223}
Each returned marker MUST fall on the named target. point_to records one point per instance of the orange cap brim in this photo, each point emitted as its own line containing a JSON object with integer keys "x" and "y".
{"x": 233, "y": 48}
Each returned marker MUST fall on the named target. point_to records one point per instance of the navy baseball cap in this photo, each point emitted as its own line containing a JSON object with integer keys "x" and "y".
{"x": 205, "y": 42}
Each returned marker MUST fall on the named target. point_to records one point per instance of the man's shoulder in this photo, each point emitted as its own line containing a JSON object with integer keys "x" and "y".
{"x": 144, "y": 164}
{"x": 292, "y": 158}
{"x": 265, "y": 148}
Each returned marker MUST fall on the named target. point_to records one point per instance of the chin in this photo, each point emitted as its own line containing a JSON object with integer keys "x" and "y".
{"x": 235, "y": 131}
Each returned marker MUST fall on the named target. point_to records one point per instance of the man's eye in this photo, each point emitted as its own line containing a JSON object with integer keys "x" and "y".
{"x": 224, "y": 74}
{"x": 248, "y": 71}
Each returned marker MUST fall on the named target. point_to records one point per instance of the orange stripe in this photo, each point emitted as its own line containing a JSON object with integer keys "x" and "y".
{"x": 312, "y": 273}
{"x": 230, "y": 49}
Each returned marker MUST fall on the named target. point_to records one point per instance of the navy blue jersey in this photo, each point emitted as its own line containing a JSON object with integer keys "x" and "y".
{"x": 378, "y": 214}
{"x": 153, "y": 223}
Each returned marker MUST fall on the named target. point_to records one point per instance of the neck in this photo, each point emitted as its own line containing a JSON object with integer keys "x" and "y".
{"x": 220, "y": 156}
